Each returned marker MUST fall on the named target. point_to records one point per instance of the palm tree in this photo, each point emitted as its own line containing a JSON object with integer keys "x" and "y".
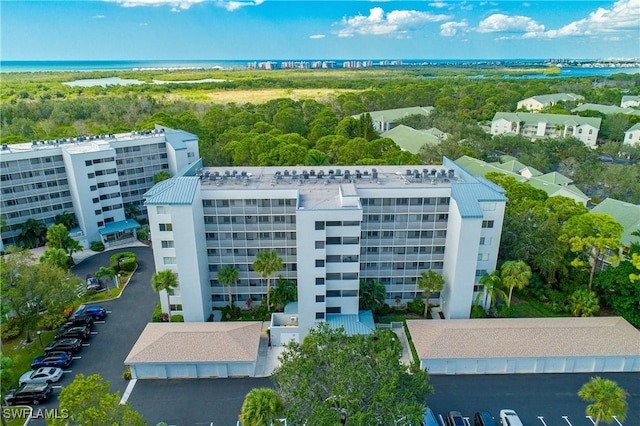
{"x": 608, "y": 398}
{"x": 260, "y": 407}
{"x": 105, "y": 272}
{"x": 515, "y": 273}
{"x": 165, "y": 281}
{"x": 131, "y": 211}
{"x": 56, "y": 256}
{"x": 226, "y": 276}
{"x": 492, "y": 289}
{"x": 429, "y": 282}
{"x": 267, "y": 263}
{"x": 372, "y": 295}
{"x": 67, "y": 219}
{"x": 32, "y": 233}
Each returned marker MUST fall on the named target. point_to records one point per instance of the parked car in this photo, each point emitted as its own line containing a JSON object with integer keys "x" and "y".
{"x": 81, "y": 332}
{"x": 483, "y": 418}
{"x": 509, "y": 417}
{"x": 94, "y": 311}
{"x": 429, "y": 419}
{"x": 41, "y": 375}
{"x": 454, "y": 418}
{"x": 68, "y": 344}
{"x": 75, "y": 321}
{"x": 29, "y": 393}
{"x": 60, "y": 360}
{"x": 92, "y": 282}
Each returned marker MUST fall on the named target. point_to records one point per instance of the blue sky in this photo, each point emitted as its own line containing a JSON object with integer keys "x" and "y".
{"x": 317, "y": 29}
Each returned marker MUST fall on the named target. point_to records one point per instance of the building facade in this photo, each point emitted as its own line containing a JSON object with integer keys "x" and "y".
{"x": 632, "y": 135}
{"x": 538, "y": 102}
{"x": 535, "y": 126}
{"x": 332, "y": 228}
{"x": 94, "y": 177}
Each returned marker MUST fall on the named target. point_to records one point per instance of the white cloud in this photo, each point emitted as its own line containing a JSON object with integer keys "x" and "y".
{"x": 438, "y": 4}
{"x": 175, "y": 9}
{"x": 182, "y": 4}
{"x": 235, "y": 5}
{"x": 144, "y": 24}
{"x": 499, "y": 22}
{"x": 98, "y": 17}
{"x": 397, "y": 23}
{"x": 624, "y": 15}
{"x": 449, "y": 29}
{"x": 316, "y": 36}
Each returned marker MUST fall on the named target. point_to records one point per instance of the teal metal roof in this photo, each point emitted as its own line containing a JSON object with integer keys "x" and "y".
{"x": 556, "y": 97}
{"x": 178, "y": 190}
{"x": 469, "y": 195}
{"x": 120, "y": 226}
{"x": 410, "y": 139}
{"x": 553, "y": 119}
{"x": 627, "y": 214}
{"x": 176, "y": 138}
{"x": 362, "y": 323}
{"x": 606, "y": 109}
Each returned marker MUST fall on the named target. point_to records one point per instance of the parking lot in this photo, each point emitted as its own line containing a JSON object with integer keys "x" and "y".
{"x": 539, "y": 399}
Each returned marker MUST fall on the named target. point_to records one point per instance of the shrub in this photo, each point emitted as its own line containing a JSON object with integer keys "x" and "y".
{"x": 229, "y": 314}
{"x": 127, "y": 374}
{"x": 129, "y": 265}
{"x": 143, "y": 233}
{"x": 416, "y": 306}
{"x": 11, "y": 329}
{"x": 505, "y": 311}
{"x": 97, "y": 246}
{"x": 50, "y": 321}
{"x": 384, "y": 310}
{"x": 177, "y": 318}
{"x": 478, "y": 311}
{"x": 114, "y": 260}
{"x": 157, "y": 314}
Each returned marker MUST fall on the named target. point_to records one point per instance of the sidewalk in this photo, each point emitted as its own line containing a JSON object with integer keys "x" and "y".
{"x": 267, "y": 356}
{"x": 86, "y": 253}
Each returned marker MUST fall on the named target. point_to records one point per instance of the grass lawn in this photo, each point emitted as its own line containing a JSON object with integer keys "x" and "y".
{"x": 398, "y": 317}
{"x": 22, "y": 353}
{"x": 533, "y": 309}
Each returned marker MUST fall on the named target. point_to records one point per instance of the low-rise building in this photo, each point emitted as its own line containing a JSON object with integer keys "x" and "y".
{"x": 331, "y": 228}
{"x": 632, "y": 136}
{"x": 629, "y": 101}
{"x": 536, "y": 126}
{"x": 538, "y": 102}
{"x": 411, "y": 140}
{"x": 384, "y": 120}
{"x": 606, "y": 109}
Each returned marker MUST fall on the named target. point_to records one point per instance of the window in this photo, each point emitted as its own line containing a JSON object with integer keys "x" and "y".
{"x": 319, "y": 263}
{"x": 483, "y": 256}
{"x": 319, "y": 281}
{"x": 319, "y": 244}
{"x": 319, "y": 315}
{"x": 319, "y": 298}
{"x": 319, "y": 226}
{"x": 168, "y": 244}
{"x": 162, "y": 209}
{"x": 487, "y": 223}
{"x": 165, "y": 227}
{"x": 334, "y": 309}
{"x": 169, "y": 260}
{"x": 481, "y": 272}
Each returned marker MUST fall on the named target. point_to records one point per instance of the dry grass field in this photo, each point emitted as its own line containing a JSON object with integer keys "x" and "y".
{"x": 264, "y": 95}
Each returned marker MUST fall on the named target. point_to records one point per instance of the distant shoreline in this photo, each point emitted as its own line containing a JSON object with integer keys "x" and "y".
{"x": 590, "y": 67}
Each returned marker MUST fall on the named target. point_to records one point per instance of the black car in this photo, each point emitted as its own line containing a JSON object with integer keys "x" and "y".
{"x": 80, "y": 332}
{"x": 60, "y": 360}
{"x": 78, "y": 321}
{"x": 454, "y": 418}
{"x": 68, "y": 344}
{"x": 483, "y": 418}
{"x": 29, "y": 393}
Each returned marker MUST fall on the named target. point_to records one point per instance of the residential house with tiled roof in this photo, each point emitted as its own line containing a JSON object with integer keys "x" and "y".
{"x": 554, "y": 184}
{"x": 632, "y": 136}
{"x": 384, "y": 120}
{"x": 629, "y": 101}
{"x": 410, "y": 139}
{"x": 538, "y": 102}
{"x": 536, "y": 126}
{"x": 627, "y": 214}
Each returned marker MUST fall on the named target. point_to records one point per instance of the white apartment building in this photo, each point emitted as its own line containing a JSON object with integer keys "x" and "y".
{"x": 632, "y": 135}
{"x": 332, "y": 228}
{"x": 538, "y": 102}
{"x": 629, "y": 101}
{"x": 94, "y": 177}
{"x": 535, "y": 126}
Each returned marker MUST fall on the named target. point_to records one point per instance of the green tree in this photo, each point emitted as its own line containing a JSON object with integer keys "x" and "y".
{"x": 372, "y": 295}
{"x": 131, "y": 211}
{"x": 67, "y": 219}
{"x": 590, "y": 235}
{"x": 429, "y": 282}
{"x": 32, "y": 233}
{"x": 583, "y": 303}
{"x": 165, "y": 281}
{"x": 88, "y": 401}
{"x": 607, "y": 400}
{"x": 5, "y": 372}
{"x": 107, "y": 274}
{"x": 160, "y": 176}
{"x": 515, "y": 274}
{"x": 266, "y": 264}
{"x": 492, "y": 290}
{"x": 260, "y": 407}
{"x": 284, "y": 292}
{"x": 58, "y": 237}
{"x": 332, "y": 378}
{"x": 228, "y": 275}
{"x": 56, "y": 256}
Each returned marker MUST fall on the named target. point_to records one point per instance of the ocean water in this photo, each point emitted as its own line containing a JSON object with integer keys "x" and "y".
{"x": 122, "y": 65}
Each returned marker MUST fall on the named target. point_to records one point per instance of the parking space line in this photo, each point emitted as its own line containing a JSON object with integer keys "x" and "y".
{"x": 566, "y": 419}
{"x": 56, "y": 387}
{"x": 542, "y": 420}
{"x": 592, "y": 421}
{"x": 98, "y": 322}
{"x": 466, "y": 419}
{"x": 86, "y": 344}
{"x": 127, "y": 391}
{"x": 617, "y": 421}
{"x": 76, "y": 357}
{"x": 441, "y": 419}
{"x": 93, "y": 333}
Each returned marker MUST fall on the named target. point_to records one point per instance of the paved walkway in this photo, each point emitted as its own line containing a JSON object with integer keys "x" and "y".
{"x": 267, "y": 356}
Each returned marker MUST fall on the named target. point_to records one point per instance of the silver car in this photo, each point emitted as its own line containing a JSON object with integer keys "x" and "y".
{"x": 42, "y": 375}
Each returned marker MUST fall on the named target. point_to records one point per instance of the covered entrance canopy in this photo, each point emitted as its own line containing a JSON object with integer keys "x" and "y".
{"x": 121, "y": 230}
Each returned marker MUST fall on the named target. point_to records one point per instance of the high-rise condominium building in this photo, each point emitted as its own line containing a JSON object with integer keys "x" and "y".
{"x": 94, "y": 177}
{"x": 332, "y": 227}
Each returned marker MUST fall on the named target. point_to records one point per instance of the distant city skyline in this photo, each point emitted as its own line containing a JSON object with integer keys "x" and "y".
{"x": 322, "y": 29}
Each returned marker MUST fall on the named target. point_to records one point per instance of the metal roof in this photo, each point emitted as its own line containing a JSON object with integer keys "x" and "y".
{"x": 362, "y": 323}
{"x": 557, "y": 119}
{"x": 120, "y": 226}
{"x": 179, "y": 190}
{"x": 627, "y": 214}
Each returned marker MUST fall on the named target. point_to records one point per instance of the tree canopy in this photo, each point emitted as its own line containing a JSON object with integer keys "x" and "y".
{"x": 332, "y": 378}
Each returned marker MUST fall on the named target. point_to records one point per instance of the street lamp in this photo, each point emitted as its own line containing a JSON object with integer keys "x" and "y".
{"x": 40, "y": 338}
